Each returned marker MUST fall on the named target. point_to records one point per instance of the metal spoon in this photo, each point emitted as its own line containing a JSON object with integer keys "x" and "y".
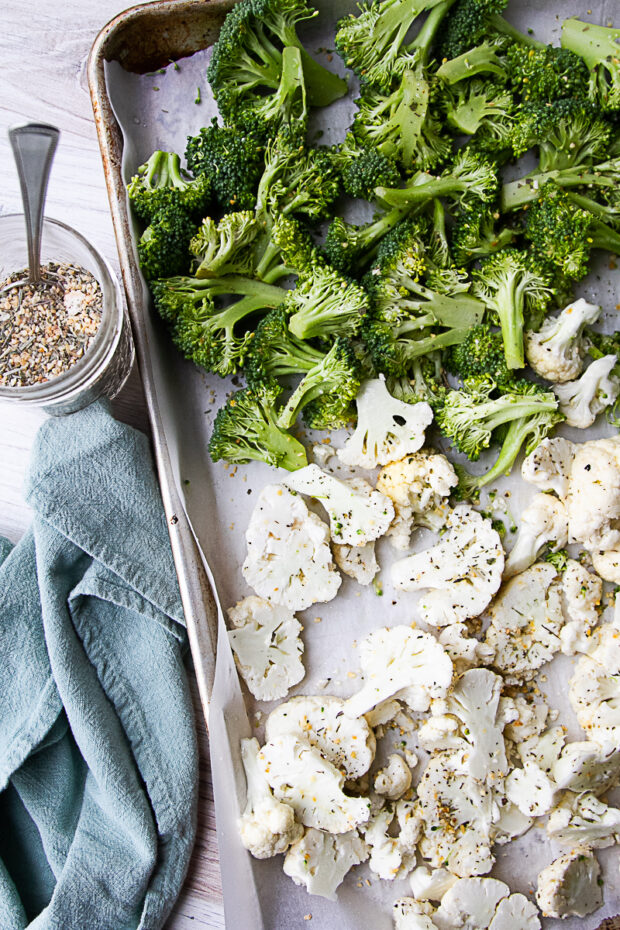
{"x": 34, "y": 146}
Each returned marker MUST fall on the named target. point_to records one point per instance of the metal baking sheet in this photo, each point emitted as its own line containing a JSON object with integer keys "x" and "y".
{"x": 136, "y": 111}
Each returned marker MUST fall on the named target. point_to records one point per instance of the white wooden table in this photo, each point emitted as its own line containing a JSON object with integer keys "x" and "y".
{"x": 43, "y": 53}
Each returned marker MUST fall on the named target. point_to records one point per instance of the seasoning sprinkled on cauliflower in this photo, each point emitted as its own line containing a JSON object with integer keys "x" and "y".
{"x": 460, "y": 573}
{"x": 289, "y": 561}
{"x": 595, "y": 479}
{"x": 418, "y": 486}
{"x": 401, "y": 663}
{"x": 548, "y": 466}
{"x": 607, "y": 564}
{"x": 267, "y": 648}
{"x": 584, "y": 819}
{"x": 587, "y": 766}
{"x": 321, "y": 860}
{"x": 531, "y": 790}
{"x": 267, "y": 826}
{"x": 358, "y": 562}
{"x": 594, "y": 689}
{"x": 387, "y": 429}
{"x": 409, "y": 914}
{"x": 556, "y": 352}
{"x": 357, "y": 513}
{"x": 581, "y": 401}
{"x": 544, "y": 521}
{"x": 581, "y": 597}
{"x": 464, "y": 650}
{"x": 569, "y": 887}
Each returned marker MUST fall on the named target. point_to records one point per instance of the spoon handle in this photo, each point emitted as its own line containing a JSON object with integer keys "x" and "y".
{"x": 34, "y": 145}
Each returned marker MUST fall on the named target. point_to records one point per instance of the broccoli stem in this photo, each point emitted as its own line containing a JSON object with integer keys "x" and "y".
{"x": 322, "y": 86}
{"x": 482, "y": 59}
{"x": 516, "y": 434}
{"x": 591, "y": 42}
{"x": 417, "y": 348}
{"x": 510, "y": 302}
{"x": 426, "y": 188}
{"x": 524, "y": 190}
{"x": 425, "y": 37}
{"x": 497, "y": 23}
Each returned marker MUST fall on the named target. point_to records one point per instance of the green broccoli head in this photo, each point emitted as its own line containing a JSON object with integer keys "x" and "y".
{"x": 163, "y": 248}
{"x": 362, "y": 168}
{"x": 567, "y": 132}
{"x": 297, "y": 179}
{"x": 330, "y": 387}
{"x": 351, "y": 248}
{"x": 474, "y": 234}
{"x": 161, "y": 181}
{"x": 246, "y": 430}
{"x": 598, "y": 46}
{"x": 471, "y": 22}
{"x": 226, "y": 247}
{"x": 481, "y": 354}
{"x": 471, "y": 177}
{"x": 479, "y": 108}
{"x": 232, "y": 159}
{"x": 276, "y": 353}
{"x": 325, "y": 303}
{"x": 546, "y": 74}
{"x": 423, "y": 382}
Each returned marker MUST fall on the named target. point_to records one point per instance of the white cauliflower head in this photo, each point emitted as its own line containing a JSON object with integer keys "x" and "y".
{"x": 524, "y": 718}
{"x": 556, "y": 351}
{"x": 525, "y": 622}
{"x": 390, "y": 856}
{"x": 607, "y": 564}
{"x": 300, "y": 776}
{"x": 357, "y": 513}
{"x": 473, "y": 707}
{"x": 409, "y": 914}
{"x": 401, "y": 663}
{"x": 387, "y": 429}
{"x": 595, "y": 478}
{"x": 515, "y": 913}
{"x": 584, "y": 819}
{"x": 531, "y": 790}
{"x": 267, "y": 647}
{"x": 581, "y": 597}
{"x": 289, "y": 561}
{"x": 569, "y": 887}
{"x": 587, "y": 766}
{"x": 543, "y": 521}
{"x": 394, "y": 779}
{"x": 267, "y": 826}
{"x": 430, "y": 884}
{"x": 460, "y": 573}
{"x": 418, "y": 486}
{"x": 548, "y": 466}
{"x": 470, "y": 904}
{"x": 320, "y": 861}
{"x": 465, "y": 651}
{"x": 358, "y": 562}
{"x": 581, "y": 401}
{"x": 346, "y": 742}
{"x": 594, "y": 689}
{"x": 543, "y": 750}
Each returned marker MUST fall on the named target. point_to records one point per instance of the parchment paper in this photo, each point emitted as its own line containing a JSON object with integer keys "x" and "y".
{"x": 158, "y": 111}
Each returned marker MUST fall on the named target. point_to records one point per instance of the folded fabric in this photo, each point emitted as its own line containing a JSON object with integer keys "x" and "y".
{"x": 98, "y": 758}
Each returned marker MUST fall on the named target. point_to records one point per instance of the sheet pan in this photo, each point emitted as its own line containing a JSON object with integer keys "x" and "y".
{"x": 208, "y": 506}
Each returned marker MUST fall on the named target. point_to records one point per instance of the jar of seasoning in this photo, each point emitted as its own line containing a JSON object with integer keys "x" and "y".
{"x": 105, "y": 360}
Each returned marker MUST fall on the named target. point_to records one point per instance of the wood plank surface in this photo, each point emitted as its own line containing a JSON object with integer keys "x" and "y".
{"x": 43, "y": 53}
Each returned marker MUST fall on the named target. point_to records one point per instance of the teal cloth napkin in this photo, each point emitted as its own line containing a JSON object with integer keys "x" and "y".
{"x": 98, "y": 757}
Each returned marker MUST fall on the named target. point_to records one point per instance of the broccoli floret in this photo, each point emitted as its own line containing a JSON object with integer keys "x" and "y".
{"x": 324, "y": 303}
{"x": 471, "y": 177}
{"x": 362, "y": 168}
{"x": 297, "y": 180}
{"x": 400, "y": 124}
{"x": 246, "y": 430}
{"x": 563, "y": 234}
{"x": 603, "y": 178}
{"x": 601, "y": 345}
{"x": 232, "y": 159}
{"x": 480, "y": 355}
{"x": 526, "y": 413}
{"x": 275, "y": 352}
{"x": 351, "y": 248}
{"x": 226, "y": 247}
{"x": 471, "y": 20}
{"x": 163, "y": 247}
{"x": 546, "y": 74}
{"x": 334, "y": 379}
{"x": 373, "y": 43}
{"x": 474, "y": 234}
{"x": 394, "y": 348}
{"x": 479, "y": 108}
{"x": 487, "y": 58}
{"x": 247, "y": 57}
{"x": 510, "y": 285}
{"x": 567, "y": 132}
{"x": 212, "y": 336}
{"x": 598, "y": 46}
{"x": 161, "y": 181}
{"x": 422, "y": 384}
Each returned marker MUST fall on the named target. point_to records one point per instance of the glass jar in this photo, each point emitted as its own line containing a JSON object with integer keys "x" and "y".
{"x": 106, "y": 364}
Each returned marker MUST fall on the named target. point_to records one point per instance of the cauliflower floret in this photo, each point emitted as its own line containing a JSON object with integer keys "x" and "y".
{"x": 584, "y": 819}
{"x": 595, "y": 479}
{"x": 569, "y": 887}
{"x": 548, "y": 466}
{"x": 515, "y": 913}
{"x": 267, "y": 826}
{"x": 586, "y": 766}
{"x": 581, "y": 401}
{"x": 321, "y": 860}
{"x": 556, "y": 351}
{"x": 267, "y": 647}
{"x": 511, "y": 821}
{"x": 430, "y": 885}
{"x": 400, "y": 663}
{"x": 470, "y": 904}
{"x": 392, "y": 857}
{"x": 289, "y": 561}
{"x": 409, "y": 914}
{"x": 543, "y": 521}
{"x": 527, "y": 717}
{"x": 581, "y": 596}
{"x": 387, "y": 429}
{"x": 464, "y": 650}
{"x": 463, "y": 570}
{"x": 322, "y": 452}
{"x": 299, "y": 775}
{"x": 357, "y": 513}
{"x": 607, "y": 564}
{"x": 347, "y": 743}
{"x": 525, "y": 622}
{"x": 543, "y": 750}
{"x": 531, "y": 790}
{"x": 394, "y": 779}
{"x": 417, "y": 486}
{"x": 594, "y": 689}
{"x": 358, "y": 562}
{"x": 458, "y": 814}
{"x": 473, "y": 706}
